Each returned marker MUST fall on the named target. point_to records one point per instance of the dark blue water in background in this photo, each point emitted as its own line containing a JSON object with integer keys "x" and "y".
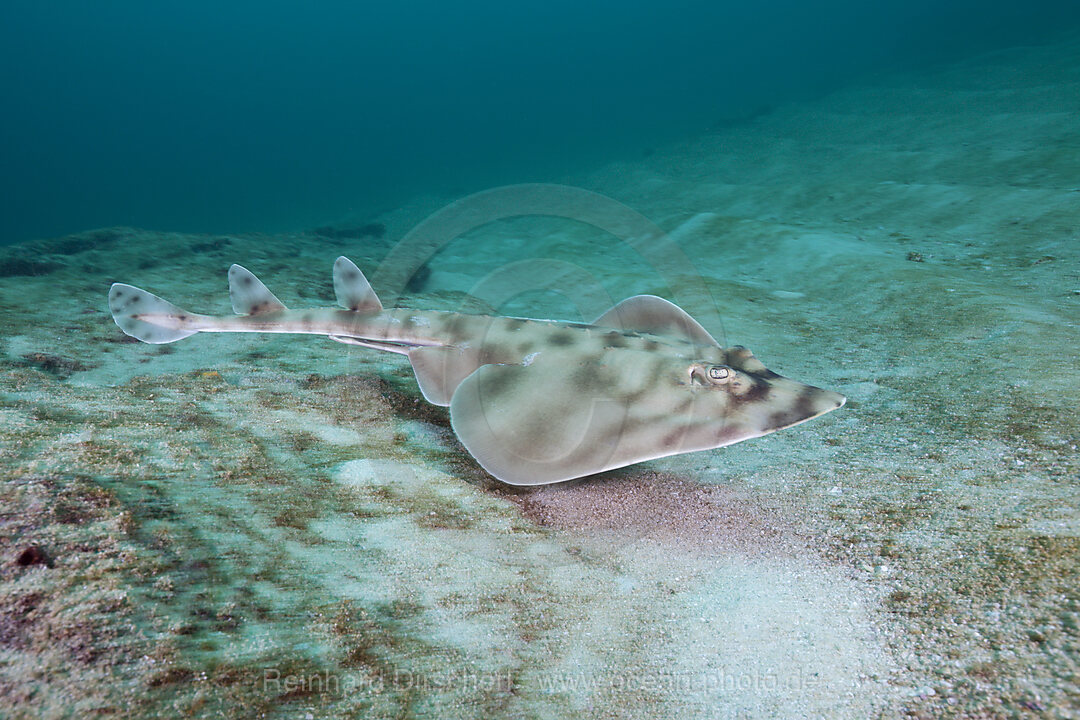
{"x": 270, "y": 115}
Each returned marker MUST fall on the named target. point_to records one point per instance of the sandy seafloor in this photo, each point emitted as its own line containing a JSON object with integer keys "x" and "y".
{"x": 244, "y": 526}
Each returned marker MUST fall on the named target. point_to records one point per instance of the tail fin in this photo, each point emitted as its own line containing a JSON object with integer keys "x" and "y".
{"x": 147, "y": 317}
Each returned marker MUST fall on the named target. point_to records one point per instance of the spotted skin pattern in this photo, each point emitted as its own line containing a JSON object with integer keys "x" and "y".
{"x": 534, "y": 401}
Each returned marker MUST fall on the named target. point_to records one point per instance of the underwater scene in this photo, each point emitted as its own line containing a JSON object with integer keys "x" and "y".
{"x": 589, "y": 360}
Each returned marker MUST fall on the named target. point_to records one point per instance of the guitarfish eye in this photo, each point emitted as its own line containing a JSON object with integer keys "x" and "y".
{"x": 719, "y": 373}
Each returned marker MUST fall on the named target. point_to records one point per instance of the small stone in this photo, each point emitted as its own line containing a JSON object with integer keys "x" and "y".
{"x": 33, "y": 555}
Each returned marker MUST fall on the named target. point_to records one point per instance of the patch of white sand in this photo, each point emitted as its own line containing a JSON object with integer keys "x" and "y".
{"x": 697, "y": 629}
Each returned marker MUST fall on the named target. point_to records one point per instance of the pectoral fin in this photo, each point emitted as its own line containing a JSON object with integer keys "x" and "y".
{"x": 537, "y": 424}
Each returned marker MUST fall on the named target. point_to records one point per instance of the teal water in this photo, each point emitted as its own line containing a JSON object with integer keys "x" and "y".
{"x": 198, "y": 116}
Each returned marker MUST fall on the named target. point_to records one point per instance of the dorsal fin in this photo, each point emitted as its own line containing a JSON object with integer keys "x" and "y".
{"x": 655, "y": 316}
{"x": 352, "y": 288}
{"x": 249, "y": 295}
